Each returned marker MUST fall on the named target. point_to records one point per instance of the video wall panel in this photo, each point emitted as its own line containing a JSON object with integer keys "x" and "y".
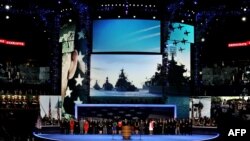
{"x": 126, "y": 35}
{"x": 125, "y": 75}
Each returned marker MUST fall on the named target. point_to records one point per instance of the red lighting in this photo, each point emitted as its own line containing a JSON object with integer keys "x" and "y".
{"x": 13, "y": 43}
{"x": 239, "y": 44}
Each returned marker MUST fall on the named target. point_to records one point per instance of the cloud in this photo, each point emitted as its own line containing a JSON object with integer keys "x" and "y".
{"x": 98, "y": 68}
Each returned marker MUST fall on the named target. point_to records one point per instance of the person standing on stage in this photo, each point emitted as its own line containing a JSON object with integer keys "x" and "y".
{"x": 105, "y": 127}
{"x": 72, "y": 125}
{"x": 86, "y": 126}
{"x": 77, "y": 127}
{"x": 91, "y": 126}
{"x": 81, "y": 125}
{"x": 114, "y": 127}
{"x": 119, "y": 125}
{"x": 161, "y": 127}
{"x": 100, "y": 127}
{"x": 151, "y": 126}
{"x": 142, "y": 127}
{"x": 136, "y": 126}
{"x": 177, "y": 127}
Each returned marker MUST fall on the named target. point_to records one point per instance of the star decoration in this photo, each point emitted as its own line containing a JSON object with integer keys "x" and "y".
{"x": 180, "y": 27}
{"x": 82, "y": 65}
{"x": 80, "y": 56}
{"x": 175, "y": 42}
{"x": 79, "y": 80}
{"x": 81, "y": 35}
{"x": 78, "y": 101}
{"x": 186, "y": 32}
{"x": 68, "y": 92}
{"x": 181, "y": 49}
{"x": 183, "y": 41}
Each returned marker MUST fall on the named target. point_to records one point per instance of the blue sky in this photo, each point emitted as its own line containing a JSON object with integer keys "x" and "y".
{"x": 129, "y": 35}
{"x": 182, "y": 57}
{"x": 136, "y": 67}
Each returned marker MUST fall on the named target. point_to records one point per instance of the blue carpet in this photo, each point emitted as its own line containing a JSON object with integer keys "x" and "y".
{"x": 61, "y": 137}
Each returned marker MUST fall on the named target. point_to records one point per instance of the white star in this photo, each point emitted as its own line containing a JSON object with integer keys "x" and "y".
{"x": 68, "y": 92}
{"x": 81, "y": 63}
{"x": 80, "y": 34}
{"x": 80, "y": 56}
{"x": 79, "y": 80}
{"x": 78, "y": 101}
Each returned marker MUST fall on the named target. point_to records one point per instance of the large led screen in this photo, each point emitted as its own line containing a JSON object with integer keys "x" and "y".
{"x": 74, "y": 82}
{"x": 178, "y": 48}
{"x": 125, "y": 75}
{"x": 50, "y": 109}
{"x": 126, "y": 35}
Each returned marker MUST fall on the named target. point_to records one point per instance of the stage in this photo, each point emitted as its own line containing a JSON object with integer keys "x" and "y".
{"x": 64, "y": 137}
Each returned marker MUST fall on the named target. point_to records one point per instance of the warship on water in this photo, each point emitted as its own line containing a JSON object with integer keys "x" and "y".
{"x": 122, "y": 84}
{"x": 96, "y": 86}
{"x": 172, "y": 82}
{"x": 155, "y": 84}
{"x": 108, "y": 86}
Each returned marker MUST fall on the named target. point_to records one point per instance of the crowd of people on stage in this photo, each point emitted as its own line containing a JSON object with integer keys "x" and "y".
{"x": 150, "y": 126}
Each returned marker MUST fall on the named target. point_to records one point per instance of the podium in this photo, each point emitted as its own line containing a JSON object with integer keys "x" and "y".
{"x": 126, "y": 132}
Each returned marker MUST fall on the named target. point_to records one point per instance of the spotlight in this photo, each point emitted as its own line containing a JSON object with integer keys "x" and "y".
{"x": 70, "y": 20}
{"x": 119, "y": 16}
{"x": 134, "y": 16}
{"x": 154, "y": 17}
{"x": 7, "y": 17}
{"x": 245, "y": 9}
{"x": 202, "y": 39}
{"x": 182, "y": 21}
{"x": 99, "y": 17}
{"x": 7, "y": 7}
{"x": 244, "y": 19}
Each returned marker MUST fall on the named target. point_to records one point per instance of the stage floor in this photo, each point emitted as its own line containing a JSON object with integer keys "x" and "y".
{"x": 62, "y": 137}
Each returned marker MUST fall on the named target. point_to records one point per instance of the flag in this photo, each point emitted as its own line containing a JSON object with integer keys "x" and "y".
{"x": 58, "y": 110}
{"x": 50, "y": 108}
